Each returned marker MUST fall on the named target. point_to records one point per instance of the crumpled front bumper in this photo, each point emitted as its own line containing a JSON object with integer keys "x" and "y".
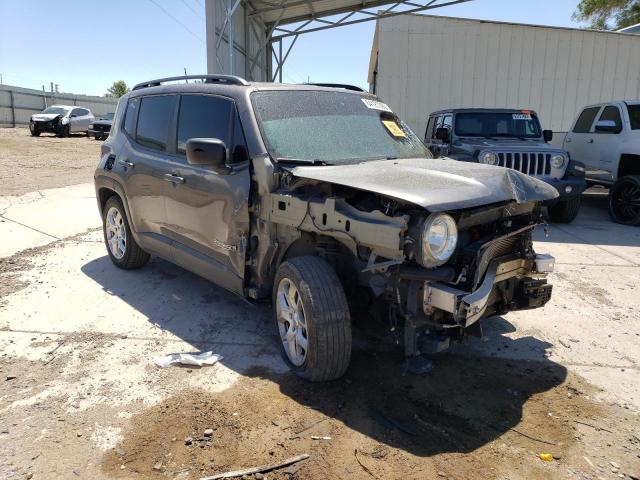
{"x": 469, "y": 307}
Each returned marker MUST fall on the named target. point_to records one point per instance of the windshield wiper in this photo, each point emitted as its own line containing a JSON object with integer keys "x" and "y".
{"x": 301, "y": 161}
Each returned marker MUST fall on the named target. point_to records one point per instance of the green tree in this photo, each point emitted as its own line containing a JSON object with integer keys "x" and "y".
{"x": 118, "y": 89}
{"x": 608, "y": 14}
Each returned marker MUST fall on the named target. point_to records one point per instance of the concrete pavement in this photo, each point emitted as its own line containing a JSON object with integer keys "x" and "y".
{"x": 42, "y": 217}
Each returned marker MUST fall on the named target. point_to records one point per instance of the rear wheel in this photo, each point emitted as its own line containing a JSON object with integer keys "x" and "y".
{"x": 312, "y": 318}
{"x": 624, "y": 200}
{"x": 565, "y": 211}
{"x": 121, "y": 246}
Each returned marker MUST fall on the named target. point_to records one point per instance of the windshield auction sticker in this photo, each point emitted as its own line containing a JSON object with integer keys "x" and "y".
{"x": 521, "y": 116}
{"x": 375, "y": 105}
{"x": 394, "y": 128}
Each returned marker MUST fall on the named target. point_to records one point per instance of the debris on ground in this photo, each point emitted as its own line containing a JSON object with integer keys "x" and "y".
{"x": 257, "y": 470}
{"x": 190, "y": 359}
{"x": 545, "y": 457}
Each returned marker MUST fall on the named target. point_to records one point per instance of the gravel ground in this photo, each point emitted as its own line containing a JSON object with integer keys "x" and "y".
{"x": 28, "y": 164}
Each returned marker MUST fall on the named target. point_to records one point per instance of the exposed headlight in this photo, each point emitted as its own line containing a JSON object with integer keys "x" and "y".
{"x": 439, "y": 239}
{"x": 489, "y": 158}
{"x": 557, "y": 161}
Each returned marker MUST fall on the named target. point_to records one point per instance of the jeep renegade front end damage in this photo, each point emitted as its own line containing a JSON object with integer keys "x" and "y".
{"x": 324, "y": 202}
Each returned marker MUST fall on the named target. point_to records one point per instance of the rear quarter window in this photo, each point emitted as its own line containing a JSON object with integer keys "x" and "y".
{"x": 634, "y": 116}
{"x": 130, "y": 117}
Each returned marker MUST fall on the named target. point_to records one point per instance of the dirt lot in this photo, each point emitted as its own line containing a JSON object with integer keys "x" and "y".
{"x": 36, "y": 163}
{"x": 81, "y": 397}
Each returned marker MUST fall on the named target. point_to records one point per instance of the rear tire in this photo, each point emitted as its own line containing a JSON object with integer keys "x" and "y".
{"x": 122, "y": 247}
{"x": 565, "y": 211}
{"x": 624, "y": 200}
{"x": 312, "y": 318}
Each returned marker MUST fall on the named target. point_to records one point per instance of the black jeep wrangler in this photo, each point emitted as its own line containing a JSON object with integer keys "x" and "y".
{"x": 513, "y": 139}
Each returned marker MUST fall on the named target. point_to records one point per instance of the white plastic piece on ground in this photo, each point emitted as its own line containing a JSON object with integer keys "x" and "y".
{"x": 194, "y": 359}
{"x": 545, "y": 263}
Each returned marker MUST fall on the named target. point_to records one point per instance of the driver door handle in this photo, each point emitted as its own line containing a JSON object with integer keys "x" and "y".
{"x": 173, "y": 178}
{"x": 126, "y": 163}
{"x": 590, "y": 140}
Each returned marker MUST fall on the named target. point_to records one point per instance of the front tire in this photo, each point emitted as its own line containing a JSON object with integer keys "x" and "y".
{"x": 64, "y": 131}
{"x": 312, "y": 318}
{"x": 565, "y": 211}
{"x": 624, "y": 200}
{"x": 122, "y": 247}
{"x": 34, "y": 130}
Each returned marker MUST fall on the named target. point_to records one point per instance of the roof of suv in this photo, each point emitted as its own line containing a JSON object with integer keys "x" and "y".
{"x": 217, "y": 82}
{"x": 483, "y": 110}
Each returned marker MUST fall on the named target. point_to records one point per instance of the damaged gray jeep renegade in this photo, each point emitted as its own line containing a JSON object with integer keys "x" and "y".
{"x": 324, "y": 202}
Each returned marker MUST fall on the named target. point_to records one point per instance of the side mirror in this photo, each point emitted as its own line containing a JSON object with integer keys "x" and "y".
{"x": 607, "y": 126}
{"x": 73, "y": 115}
{"x": 442, "y": 134}
{"x": 206, "y": 151}
{"x": 547, "y": 135}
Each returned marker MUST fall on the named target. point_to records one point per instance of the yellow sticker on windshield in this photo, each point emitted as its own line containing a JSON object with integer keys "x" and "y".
{"x": 394, "y": 128}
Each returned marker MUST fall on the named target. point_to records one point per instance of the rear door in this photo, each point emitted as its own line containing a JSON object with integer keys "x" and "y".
{"x": 143, "y": 163}
{"x": 207, "y": 212}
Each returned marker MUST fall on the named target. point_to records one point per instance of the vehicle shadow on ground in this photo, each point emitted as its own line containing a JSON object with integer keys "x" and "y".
{"x": 464, "y": 403}
{"x": 593, "y": 226}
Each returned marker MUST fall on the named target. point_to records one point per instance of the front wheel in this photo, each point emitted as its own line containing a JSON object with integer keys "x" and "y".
{"x": 64, "y": 131}
{"x": 121, "y": 246}
{"x": 624, "y": 200}
{"x": 34, "y": 130}
{"x": 565, "y": 211}
{"x": 312, "y": 317}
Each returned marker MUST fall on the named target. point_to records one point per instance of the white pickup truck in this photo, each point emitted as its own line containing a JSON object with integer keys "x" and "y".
{"x": 606, "y": 138}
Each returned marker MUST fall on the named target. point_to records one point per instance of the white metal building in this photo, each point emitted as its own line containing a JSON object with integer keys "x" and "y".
{"x": 422, "y": 63}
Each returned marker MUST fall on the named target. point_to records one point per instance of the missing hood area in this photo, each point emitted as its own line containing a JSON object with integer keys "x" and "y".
{"x": 435, "y": 184}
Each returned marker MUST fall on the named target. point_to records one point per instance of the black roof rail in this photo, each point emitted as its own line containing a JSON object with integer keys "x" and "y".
{"x": 226, "y": 79}
{"x": 337, "y": 85}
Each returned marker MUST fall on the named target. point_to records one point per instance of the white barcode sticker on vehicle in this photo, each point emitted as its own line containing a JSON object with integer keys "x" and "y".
{"x": 375, "y": 105}
{"x": 521, "y": 116}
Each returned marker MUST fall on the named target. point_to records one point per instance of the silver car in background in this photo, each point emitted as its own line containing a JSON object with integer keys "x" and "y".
{"x": 61, "y": 120}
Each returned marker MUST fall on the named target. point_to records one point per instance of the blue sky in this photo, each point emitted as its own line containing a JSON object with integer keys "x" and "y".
{"x": 85, "y": 46}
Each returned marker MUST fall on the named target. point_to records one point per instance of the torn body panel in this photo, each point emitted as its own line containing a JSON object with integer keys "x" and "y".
{"x": 434, "y": 184}
{"x": 335, "y": 218}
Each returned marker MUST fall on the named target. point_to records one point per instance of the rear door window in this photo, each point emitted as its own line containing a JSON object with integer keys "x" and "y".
{"x": 585, "y": 120}
{"x": 154, "y": 120}
{"x": 634, "y": 116}
{"x": 611, "y": 113}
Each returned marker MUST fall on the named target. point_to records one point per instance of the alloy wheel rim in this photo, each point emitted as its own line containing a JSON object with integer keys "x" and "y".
{"x": 292, "y": 324}
{"x": 626, "y": 202}
{"x": 116, "y": 233}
